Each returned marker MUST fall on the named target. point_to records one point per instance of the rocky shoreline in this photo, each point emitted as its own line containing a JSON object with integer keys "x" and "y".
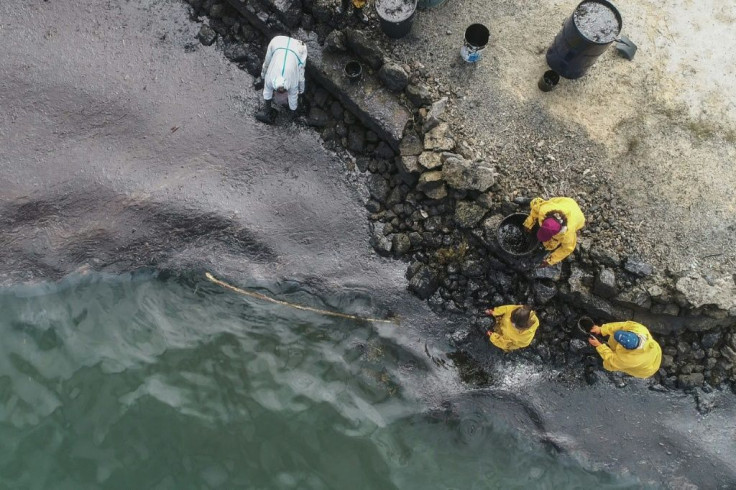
{"x": 436, "y": 198}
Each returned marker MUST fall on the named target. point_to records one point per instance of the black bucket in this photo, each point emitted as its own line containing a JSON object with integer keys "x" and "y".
{"x": 513, "y": 238}
{"x": 353, "y": 70}
{"x": 549, "y": 80}
{"x": 585, "y": 35}
{"x": 476, "y": 39}
{"x": 396, "y": 16}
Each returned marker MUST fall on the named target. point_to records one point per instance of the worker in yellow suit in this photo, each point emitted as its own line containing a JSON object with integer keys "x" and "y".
{"x": 559, "y": 220}
{"x": 631, "y": 348}
{"x": 515, "y": 326}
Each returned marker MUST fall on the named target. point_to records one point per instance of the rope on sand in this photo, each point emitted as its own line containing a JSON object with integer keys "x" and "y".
{"x": 263, "y": 297}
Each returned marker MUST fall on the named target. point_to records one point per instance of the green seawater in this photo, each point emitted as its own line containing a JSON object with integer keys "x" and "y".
{"x": 170, "y": 382}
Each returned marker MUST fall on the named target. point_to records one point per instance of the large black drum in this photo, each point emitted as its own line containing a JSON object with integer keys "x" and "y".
{"x": 586, "y": 34}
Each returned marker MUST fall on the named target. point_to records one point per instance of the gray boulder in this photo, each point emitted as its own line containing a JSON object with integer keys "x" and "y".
{"x": 435, "y": 113}
{"x": 432, "y": 185}
{"x": 401, "y": 244}
{"x": 439, "y": 139}
{"x": 323, "y": 10}
{"x": 605, "y": 284}
{"x": 378, "y": 187}
{"x": 464, "y": 175}
{"x": 468, "y": 214}
{"x": 424, "y": 282}
{"x": 635, "y": 297}
{"x": 638, "y": 267}
{"x": 430, "y": 160}
{"x": 544, "y": 291}
{"x": 393, "y": 77}
{"x": 380, "y": 242}
{"x": 694, "y": 380}
{"x": 710, "y": 339}
{"x": 439, "y": 192}
{"x": 408, "y": 164}
{"x": 552, "y": 273}
{"x": 206, "y": 35}
{"x": 701, "y": 291}
{"x": 336, "y": 41}
{"x": 418, "y": 95}
{"x": 411, "y": 144}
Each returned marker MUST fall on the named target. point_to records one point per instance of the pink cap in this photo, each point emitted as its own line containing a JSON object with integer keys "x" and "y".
{"x": 550, "y": 227}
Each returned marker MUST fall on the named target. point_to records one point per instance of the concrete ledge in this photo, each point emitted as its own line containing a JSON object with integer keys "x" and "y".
{"x": 377, "y": 108}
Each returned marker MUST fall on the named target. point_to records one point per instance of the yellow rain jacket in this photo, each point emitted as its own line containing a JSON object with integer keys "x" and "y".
{"x": 562, "y": 244}
{"x": 507, "y": 337}
{"x": 640, "y": 363}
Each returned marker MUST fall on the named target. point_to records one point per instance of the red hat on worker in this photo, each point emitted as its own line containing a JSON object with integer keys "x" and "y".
{"x": 550, "y": 227}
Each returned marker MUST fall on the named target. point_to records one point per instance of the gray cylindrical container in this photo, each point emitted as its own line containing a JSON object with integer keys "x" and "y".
{"x": 396, "y": 16}
{"x": 585, "y": 35}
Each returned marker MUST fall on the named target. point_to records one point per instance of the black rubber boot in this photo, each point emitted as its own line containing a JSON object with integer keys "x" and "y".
{"x": 267, "y": 114}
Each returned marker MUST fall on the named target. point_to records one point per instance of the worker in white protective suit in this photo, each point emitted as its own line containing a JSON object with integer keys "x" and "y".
{"x": 282, "y": 73}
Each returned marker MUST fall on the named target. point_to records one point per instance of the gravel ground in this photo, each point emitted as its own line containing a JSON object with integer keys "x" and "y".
{"x": 644, "y": 145}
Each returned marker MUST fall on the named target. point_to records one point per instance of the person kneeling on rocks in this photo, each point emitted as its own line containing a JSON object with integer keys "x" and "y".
{"x": 515, "y": 326}
{"x": 282, "y": 73}
{"x": 559, "y": 220}
{"x": 631, "y": 348}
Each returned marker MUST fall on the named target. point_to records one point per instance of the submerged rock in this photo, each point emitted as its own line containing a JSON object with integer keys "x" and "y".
{"x": 424, "y": 282}
{"x": 206, "y": 35}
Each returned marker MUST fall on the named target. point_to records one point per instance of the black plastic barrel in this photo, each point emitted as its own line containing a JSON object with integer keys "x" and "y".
{"x": 572, "y": 51}
{"x": 513, "y": 238}
{"x": 396, "y": 16}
